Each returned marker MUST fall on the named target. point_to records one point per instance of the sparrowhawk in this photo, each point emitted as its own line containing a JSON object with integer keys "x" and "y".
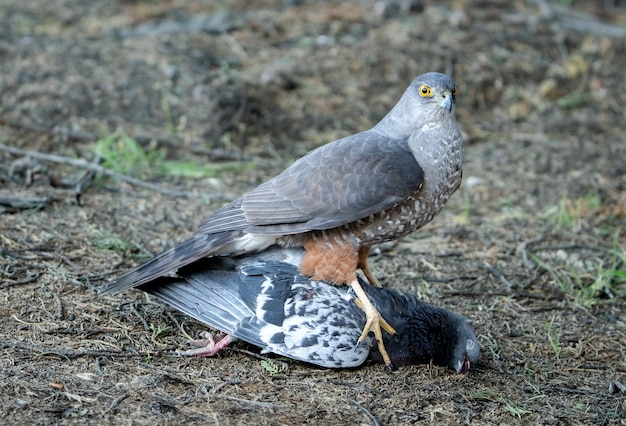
{"x": 341, "y": 198}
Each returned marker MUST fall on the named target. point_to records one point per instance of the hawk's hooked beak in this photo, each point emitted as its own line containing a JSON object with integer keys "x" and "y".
{"x": 448, "y": 100}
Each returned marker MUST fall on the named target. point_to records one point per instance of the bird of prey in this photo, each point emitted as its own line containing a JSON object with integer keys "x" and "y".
{"x": 263, "y": 300}
{"x": 341, "y": 198}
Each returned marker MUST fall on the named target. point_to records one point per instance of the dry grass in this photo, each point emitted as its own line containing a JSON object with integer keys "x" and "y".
{"x": 542, "y": 203}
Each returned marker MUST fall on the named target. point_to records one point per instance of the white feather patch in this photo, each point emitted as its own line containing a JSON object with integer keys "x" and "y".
{"x": 248, "y": 243}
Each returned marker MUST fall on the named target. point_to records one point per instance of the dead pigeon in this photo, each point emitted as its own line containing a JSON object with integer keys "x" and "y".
{"x": 263, "y": 300}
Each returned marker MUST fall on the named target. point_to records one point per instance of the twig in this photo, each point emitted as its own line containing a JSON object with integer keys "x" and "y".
{"x": 84, "y": 182}
{"x": 169, "y": 373}
{"x": 58, "y": 312}
{"x": 522, "y": 250}
{"x": 68, "y": 353}
{"x": 245, "y": 352}
{"x": 63, "y": 133}
{"x": 13, "y": 203}
{"x": 567, "y": 247}
{"x": 222, "y": 155}
{"x": 107, "y": 172}
{"x": 141, "y": 318}
{"x": 250, "y": 402}
{"x": 527, "y": 283}
{"x": 367, "y": 412}
{"x": 184, "y": 332}
{"x": 499, "y": 274}
{"x": 60, "y": 257}
{"x": 433, "y": 279}
{"x": 23, "y": 281}
{"x": 116, "y": 402}
{"x": 256, "y": 355}
{"x": 98, "y": 366}
{"x": 174, "y": 320}
{"x": 515, "y": 295}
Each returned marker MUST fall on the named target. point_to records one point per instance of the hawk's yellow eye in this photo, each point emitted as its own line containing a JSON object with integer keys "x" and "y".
{"x": 454, "y": 91}
{"x": 425, "y": 91}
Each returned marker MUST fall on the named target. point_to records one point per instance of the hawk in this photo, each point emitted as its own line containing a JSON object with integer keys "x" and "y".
{"x": 341, "y": 198}
{"x": 263, "y": 299}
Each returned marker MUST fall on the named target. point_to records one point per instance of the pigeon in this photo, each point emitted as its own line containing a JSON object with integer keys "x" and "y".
{"x": 264, "y": 300}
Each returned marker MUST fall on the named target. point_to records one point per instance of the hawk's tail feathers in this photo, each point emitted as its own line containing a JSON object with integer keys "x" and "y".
{"x": 168, "y": 262}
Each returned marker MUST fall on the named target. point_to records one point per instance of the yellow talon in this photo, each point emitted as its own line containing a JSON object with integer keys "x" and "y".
{"x": 375, "y": 322}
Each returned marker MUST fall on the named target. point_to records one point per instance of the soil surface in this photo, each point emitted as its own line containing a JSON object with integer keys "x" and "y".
{"x": 530, "y": 249}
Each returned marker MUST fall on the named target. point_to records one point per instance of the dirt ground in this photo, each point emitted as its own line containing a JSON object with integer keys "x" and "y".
{"x": 530, "y": 249}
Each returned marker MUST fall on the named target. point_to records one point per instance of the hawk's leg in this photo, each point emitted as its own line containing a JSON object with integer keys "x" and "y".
{"x": 207, "y": 345}
{"x": 336, "y": 261}
{"x": 330, "y": 260}
{"x": 363, "y": 252}
{"x": 375, "y": 321}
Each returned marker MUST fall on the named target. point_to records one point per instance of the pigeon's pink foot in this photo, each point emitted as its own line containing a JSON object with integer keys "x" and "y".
{"x": 208, "y": 345}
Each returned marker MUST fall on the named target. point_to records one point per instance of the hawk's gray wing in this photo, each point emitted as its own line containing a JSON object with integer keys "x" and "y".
{"x": 336, "y": 184}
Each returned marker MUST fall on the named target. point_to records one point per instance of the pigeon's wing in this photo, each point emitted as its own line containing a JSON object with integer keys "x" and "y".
{"x": 313, "y": 322}
{"x": 336, "y": 184}
{"x": 211, "y": 297}
{"x": 268, "y": 304}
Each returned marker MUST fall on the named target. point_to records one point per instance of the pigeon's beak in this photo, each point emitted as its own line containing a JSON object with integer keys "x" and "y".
{"x": 465, "y": 366}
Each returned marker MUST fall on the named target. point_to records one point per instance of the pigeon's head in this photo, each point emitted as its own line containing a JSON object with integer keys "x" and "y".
{"x": 466, "y": 352}
{"x": 425, "y": 333}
